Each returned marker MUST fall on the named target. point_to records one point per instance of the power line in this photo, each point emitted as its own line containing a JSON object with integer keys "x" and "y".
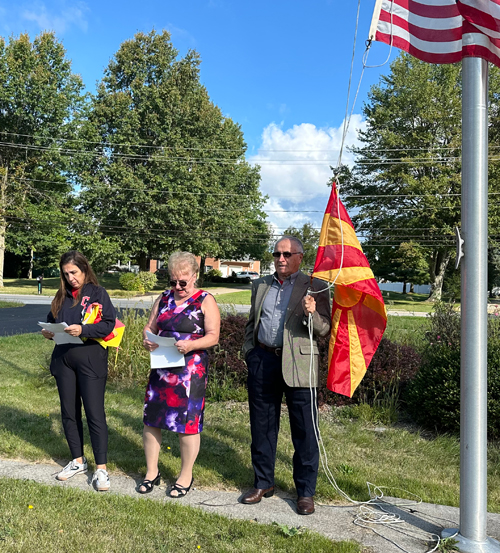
{"x": 205, "y": 149}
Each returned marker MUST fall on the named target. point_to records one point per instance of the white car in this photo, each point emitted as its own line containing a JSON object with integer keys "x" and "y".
{"x": 252, "y": 275}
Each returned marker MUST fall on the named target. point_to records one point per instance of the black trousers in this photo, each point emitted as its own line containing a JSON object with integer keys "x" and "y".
{"x": 265, "y": 394}
{"x": 81, "y": 372}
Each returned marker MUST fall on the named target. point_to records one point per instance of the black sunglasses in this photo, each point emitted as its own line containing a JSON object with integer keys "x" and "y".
{"x": 182, "y": 283}
{"x": 286, "y": 255}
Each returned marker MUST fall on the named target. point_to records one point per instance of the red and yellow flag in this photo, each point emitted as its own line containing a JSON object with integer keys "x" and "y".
{"x": 359, "y": 317}
{"x": 93, "y": 315}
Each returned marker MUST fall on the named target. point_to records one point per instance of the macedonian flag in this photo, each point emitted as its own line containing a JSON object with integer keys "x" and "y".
{"x": 93, "y": 315}
{"x": 358, "y": 315}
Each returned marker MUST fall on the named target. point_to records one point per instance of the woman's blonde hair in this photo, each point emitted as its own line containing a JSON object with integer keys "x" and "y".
{"x": 182, "y": 262}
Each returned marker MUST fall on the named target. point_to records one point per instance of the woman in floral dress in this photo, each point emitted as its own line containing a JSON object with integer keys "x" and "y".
{"x": 175, "y": 397}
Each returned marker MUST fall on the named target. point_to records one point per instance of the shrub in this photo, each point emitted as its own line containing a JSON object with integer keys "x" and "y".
{"x": 129, "y": 281}
{"x": 391, "y": 369}
{"x": 130, "y": 362}
{"x": 226, "y": 372}
{"x": 226, "y": 280}
{"x": 209, "y": 275}
{"x": 147, "y": 280}
{"x": 226, "y": 362}
{"x": 434, "y": 395}
{"x": 144, "y": 281}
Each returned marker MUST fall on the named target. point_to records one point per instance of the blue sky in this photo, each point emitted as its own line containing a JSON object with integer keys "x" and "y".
{"x": 280, "y": 69}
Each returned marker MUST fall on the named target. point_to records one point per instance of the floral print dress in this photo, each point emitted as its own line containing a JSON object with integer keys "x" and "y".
{"x": 175, "y": 397}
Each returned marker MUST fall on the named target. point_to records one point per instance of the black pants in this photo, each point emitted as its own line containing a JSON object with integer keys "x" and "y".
{"x": 265, "y": 393}
{"x": 81, "y": 372}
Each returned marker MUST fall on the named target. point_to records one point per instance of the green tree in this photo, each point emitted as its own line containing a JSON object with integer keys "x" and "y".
{"x": 411, "y": 265}
{"x": 167, "y": 170}
{"x": 407, "y": 182}
{"x": 40, "y": 101}
{"x": 406, "y": 263}
{"x": 309, "y": 236}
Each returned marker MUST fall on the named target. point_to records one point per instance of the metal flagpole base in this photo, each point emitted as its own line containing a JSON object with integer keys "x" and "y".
{"x": 466, "y": 545}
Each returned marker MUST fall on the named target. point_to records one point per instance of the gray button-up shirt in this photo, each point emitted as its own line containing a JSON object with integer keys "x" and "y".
{"x": 272, "y": 316}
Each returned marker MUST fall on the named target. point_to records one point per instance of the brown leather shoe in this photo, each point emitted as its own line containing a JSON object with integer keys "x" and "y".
{"x": 305, "y": 505}
{"x": 255, "y": 495}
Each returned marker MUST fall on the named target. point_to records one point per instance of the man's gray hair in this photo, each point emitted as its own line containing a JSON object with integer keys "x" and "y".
{"x": 297, "y": 242}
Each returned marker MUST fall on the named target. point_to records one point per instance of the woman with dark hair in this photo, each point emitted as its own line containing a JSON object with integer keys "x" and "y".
{"x": 175, "y": 396}
{"x": 81, "y": 370}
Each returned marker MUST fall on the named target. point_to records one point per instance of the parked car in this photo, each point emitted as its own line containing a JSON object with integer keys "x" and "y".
{"x": 252, "y": 275}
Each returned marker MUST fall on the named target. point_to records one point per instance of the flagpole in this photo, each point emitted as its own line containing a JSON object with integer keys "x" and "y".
{"x": 472, "y": 535}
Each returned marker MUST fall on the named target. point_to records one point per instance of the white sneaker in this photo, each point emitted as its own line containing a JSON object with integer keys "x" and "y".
{"x": 72, "y": 468}
{"x": 100, "y": 480}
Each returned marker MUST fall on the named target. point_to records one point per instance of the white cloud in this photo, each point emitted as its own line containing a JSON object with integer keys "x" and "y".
{"x": 295, "y": 169}
{"x": 58, "y": 19}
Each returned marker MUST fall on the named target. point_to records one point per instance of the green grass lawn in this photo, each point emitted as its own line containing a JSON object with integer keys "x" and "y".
{"x": 235, "y": 298}
{"x": 51, "y": 285}
{"x": 407, "y": 330}
{"x": 10, "y": 304}
{"x": 108, "y": 281}
{"x": 394, "y": 301}
{"x": 397, "y": 457}
{"x": 45, "y": 519}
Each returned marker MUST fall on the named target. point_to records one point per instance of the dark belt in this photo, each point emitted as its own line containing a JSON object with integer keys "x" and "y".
{"x": 276, "y": 351}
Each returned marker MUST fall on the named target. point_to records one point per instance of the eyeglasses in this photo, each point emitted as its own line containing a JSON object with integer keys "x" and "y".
{"x": 286, "y": 255}
{"x": 181, "y": 283}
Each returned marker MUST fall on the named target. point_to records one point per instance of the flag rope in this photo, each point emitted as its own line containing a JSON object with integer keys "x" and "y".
{"x": 366, "y": 516}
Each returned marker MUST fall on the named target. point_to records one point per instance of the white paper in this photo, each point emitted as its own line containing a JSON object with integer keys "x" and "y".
{"x": 166, "y": 354}
{"x": 60, "y": 337}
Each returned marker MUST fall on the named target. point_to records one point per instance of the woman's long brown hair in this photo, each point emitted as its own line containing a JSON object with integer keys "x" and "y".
{"x": 78, "y": 259}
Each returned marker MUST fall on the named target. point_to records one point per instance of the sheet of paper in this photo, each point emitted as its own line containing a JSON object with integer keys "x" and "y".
{"x": 60, "y": 337}
{"x": 166, "y": 354}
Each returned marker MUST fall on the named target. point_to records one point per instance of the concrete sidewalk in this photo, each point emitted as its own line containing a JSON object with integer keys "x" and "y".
{"x": 337, "y": 522}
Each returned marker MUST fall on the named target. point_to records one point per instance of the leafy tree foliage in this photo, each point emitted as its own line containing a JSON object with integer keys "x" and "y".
{"x": 407, "y": 180}
{"x": 309, "y": 236}
{"x": 166, "y": 169}
{"x": 40, "y": 100}
{"x": 406, "y": 263}
{"x": 493, "y": 269}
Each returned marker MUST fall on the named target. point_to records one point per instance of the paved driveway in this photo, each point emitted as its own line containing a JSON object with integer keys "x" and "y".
{"x": 22, "y": 320}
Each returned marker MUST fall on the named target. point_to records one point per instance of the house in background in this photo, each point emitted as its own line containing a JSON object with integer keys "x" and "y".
{"x": 226, "y": 267}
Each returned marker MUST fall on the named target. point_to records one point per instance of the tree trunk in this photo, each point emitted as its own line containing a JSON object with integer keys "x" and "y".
{"x": 2, "y": 248}
{"x": 3, "y": 223}
{"x": 201, "y": 278}
{"x": 412, "y": 288}
{"x": 439, "y": 262}
{"x": 404, "y": 286}
{"x": 142, "y": 261}
{"x": 30, "y": 268}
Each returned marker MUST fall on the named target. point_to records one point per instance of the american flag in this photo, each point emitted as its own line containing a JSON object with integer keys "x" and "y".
{"x": 440, "y": 31}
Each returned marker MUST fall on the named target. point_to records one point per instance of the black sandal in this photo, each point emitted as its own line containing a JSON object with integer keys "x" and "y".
{"x": 181, "y": 490}
{"x": 149, "y": 485}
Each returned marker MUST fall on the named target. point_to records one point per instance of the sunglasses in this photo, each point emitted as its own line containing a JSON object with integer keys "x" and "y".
{"x": 286, "y": 255}
{"x": 181, "y": 283}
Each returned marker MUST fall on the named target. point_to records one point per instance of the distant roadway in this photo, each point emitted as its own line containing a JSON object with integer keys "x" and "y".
{"x": 23, "y": 320}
